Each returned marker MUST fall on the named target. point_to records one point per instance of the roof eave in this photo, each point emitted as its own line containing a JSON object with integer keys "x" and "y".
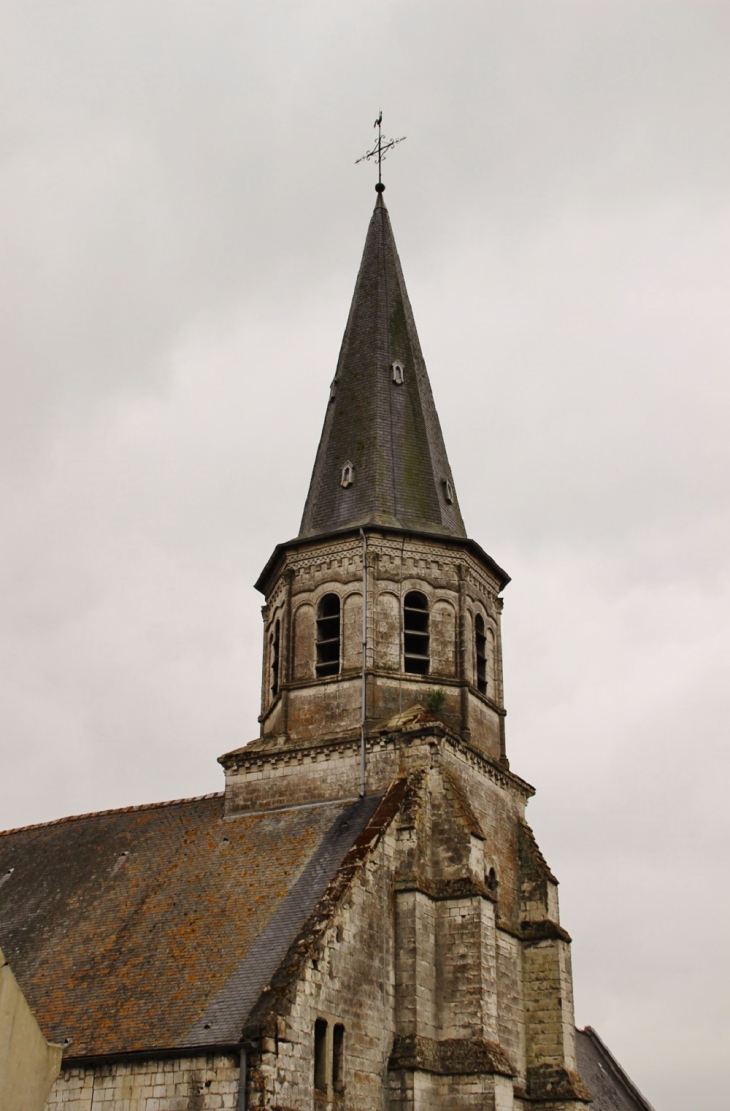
{"x": 277, "y": 556}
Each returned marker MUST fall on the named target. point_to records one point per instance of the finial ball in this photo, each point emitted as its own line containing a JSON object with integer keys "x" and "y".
{"x": 380, "y": 188}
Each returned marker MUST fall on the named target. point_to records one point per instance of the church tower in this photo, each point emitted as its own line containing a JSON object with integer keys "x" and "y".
{"x": 382, "y": 682}
{"x": 381, "y": 523}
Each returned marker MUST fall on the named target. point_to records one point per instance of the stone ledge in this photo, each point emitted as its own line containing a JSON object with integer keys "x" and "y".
{"x": 442, "y": 890}
{"x": 451, "y": 1057}
{"x": 415, "y": 724}
{"x": 547, "y": 930}
{"x": 554, "y": 1082}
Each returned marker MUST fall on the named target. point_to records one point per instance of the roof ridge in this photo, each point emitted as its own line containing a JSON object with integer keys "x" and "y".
{"x": 111, "y": 810}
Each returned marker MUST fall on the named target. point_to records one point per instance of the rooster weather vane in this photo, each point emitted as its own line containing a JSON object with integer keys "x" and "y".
{"x": 380, "y": 150}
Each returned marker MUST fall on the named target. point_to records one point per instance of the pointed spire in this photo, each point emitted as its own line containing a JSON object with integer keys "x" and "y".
{"x": 381, "y": 458}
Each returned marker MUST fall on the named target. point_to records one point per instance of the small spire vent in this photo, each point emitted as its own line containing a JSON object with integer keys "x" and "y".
{"x": 397, "y": 372}
{"x": 348, "y": 475}
{"x": 448, "y": 491}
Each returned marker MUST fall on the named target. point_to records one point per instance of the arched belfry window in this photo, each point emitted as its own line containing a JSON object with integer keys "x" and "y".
{"x": 416, "y": 653}
{"x": 328, "y": 636}
{"x": 275, "y": 639}
{"x": 481, "y": 653}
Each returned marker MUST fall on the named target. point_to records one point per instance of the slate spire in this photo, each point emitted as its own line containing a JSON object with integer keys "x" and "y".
{"x": 381, "y": 458}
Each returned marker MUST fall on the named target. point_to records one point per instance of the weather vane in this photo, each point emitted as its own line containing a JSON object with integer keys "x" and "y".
{"x": 380, "y": 150}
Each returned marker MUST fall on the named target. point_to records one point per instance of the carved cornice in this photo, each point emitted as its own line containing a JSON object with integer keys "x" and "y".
{"x": 272, "y": 752}
{"x": 348, "y": 568}
{"x": 498, "y": 774}
{"x": 303, "y": 552}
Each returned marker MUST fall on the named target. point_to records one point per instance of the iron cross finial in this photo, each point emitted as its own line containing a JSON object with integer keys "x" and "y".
{"x": 380, "y": 150}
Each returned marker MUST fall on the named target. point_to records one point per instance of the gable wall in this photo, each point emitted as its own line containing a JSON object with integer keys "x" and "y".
{"x": 348, "y": 979}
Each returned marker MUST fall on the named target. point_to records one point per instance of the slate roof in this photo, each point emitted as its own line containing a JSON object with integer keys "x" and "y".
{"x": 390, "y": 433}
{"x": 610, "y": 1087}
{"x": 157, "y": 927}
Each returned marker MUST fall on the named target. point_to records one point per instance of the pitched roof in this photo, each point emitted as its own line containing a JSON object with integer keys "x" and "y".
{"x": 610, "y": 1087}
{"x": 388, "y": 432}
{"x": 157, "y": 927}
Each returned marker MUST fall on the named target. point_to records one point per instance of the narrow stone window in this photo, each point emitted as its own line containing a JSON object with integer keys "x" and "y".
{"x": 491, "y": 881}
{"x": 320, "y": 1055}
{"x": 481, "y": 647}
{"x": 448, "y": 491}
{"x": 338, "y": 1057}
{"x": 348, "y": 475}
{"x": 398, "y": 374}
{"x": 275, "y": 659}
{"x": 416, "y": 655}
{"x": 328, "y": 636}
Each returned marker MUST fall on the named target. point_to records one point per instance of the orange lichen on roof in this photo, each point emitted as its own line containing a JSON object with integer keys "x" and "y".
{"x": 122, "y": 926}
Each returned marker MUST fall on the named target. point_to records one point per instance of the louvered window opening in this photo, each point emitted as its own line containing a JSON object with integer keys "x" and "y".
{"x": 328, "y": 636}
{"x": 275, "y": 660}
{"x": 481, "y": 647}
{"x": 416, "y": 640}
{"x": 338, "y": 1057}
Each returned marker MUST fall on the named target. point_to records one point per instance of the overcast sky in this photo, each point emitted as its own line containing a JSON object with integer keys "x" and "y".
{"x": 181, "y": 222}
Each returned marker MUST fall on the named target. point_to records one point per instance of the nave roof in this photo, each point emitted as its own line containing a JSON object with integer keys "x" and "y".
{"x": 157, "y": 927}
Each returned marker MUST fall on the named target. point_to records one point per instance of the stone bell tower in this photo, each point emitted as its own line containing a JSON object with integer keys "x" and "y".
{"x": 381, "y": 523}
{"x": 382, "y": 686}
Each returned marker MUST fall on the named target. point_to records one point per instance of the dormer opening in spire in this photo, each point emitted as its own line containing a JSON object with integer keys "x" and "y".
{"x": 348, "y": 475}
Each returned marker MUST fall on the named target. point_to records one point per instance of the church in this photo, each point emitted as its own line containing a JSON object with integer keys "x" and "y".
{"x": 362, "y": 919}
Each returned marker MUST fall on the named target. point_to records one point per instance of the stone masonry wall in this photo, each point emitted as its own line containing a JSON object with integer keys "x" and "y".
{"x": 396, "y": 961}
{"x": 206, "y": 1083}
{"x": 348, "y": 980}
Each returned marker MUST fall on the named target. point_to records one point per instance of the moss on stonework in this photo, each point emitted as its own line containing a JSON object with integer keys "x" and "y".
{"x": 415, "y": 482}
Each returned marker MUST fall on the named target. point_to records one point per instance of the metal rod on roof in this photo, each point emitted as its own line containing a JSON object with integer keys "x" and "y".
{"x": 364, "y": 659}
{"x": 242, "y": 1080}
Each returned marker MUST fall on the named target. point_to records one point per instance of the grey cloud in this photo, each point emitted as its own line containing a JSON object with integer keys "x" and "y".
{"x": 181, "y": 222}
